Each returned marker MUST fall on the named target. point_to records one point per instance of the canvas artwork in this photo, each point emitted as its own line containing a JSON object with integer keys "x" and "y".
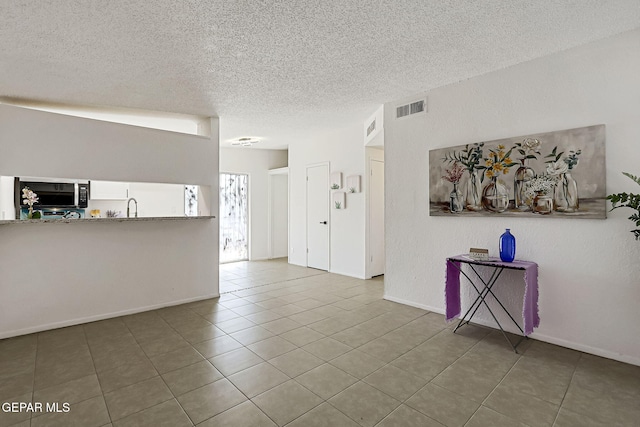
{"x": 557, "y": 174}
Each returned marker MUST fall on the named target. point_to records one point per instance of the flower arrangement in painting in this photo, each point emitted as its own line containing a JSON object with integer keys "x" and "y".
{"x": 528, "y": 149}
{"x": 542, "y": 184}
{"x": 338, "y": 205}
{"x": 499, "y": 161}
{"x": 352, "y": 189}
{"x": 335, "y": 186}
{"x": 30, "y": 198}
{"x": 628, "y": 200}
{"x": 454, "y": 174}
{"x": 566, "y": 195}
{"x": 470, "y": 157}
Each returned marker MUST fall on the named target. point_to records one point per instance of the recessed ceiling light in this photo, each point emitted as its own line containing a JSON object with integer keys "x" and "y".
{"x": 245, "y": 141}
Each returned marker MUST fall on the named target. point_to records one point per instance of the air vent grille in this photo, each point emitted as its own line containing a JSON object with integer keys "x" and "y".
{"x": 371, "y": 127}
{"x": 409, "y": 109}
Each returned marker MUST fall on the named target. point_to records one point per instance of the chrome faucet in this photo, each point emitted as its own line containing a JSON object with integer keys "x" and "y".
{"x": 129, "y": 203}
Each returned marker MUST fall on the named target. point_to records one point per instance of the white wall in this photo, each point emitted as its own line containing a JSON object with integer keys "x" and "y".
{"x": 344, "y": 149}
{"x": 49, "y": 277}
{"x": 255, "y": 163}
{"x": 279, "y": 206}
{"x": 589, "y": 269}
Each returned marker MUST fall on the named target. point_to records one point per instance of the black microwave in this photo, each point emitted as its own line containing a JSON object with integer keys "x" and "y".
{"x": 59, "y": 194}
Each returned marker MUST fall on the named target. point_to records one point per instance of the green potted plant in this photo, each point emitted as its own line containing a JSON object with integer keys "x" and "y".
{"x": 628, "y": 200}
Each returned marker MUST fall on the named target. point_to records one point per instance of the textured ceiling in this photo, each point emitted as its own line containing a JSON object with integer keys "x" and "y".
{"x": 280, "y": 70}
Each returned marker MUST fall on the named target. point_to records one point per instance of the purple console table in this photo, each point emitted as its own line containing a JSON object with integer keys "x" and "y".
{"x": 530, "y": 317}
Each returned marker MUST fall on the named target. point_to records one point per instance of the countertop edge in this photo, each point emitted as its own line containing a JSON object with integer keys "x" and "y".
{"x": 102, "y": 220}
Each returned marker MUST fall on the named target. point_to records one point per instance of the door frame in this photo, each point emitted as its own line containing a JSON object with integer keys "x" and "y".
{"x": 272, "y": 172}
{"x": 306, "y": 211}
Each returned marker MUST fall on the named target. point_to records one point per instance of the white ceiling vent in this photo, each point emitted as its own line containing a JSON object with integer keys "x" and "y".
{"x": 371, "y": 127}
{"x": 412, "y": 108}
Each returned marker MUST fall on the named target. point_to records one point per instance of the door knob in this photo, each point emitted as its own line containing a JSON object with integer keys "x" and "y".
{"x": 323, "y": 222}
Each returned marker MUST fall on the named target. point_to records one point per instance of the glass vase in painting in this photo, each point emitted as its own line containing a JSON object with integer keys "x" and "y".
{"x": 524, "y": 174}
{"x": 495, "y": 197}
{"x": 542, "y": 203}
{"x": 473, "y": 199}
{"x": 566, "y": 194}
{"x": 455, "y": 199}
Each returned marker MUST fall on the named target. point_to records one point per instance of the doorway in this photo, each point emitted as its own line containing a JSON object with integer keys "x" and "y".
{"x": 376, "y": 218}
{"x": 318, "y": 216}
{"x": 234, "y": 217}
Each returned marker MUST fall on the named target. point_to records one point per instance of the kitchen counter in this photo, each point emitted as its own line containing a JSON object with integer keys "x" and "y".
{"x": 103, "y": 220}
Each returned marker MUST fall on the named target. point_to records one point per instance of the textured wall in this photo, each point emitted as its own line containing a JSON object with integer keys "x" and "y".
{"x": 589, "y": 271}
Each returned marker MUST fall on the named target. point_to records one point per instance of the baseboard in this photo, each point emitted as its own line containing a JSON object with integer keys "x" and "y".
{"x": 536, "y": 336}
{"x": 347, "y": 274}
{"x": 81, "y": 320}
{"x": 413, "y": 304}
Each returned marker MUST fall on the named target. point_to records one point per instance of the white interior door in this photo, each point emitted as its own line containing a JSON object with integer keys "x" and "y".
{"x": 376, "y": 218}
{"x": 318, "y": 216}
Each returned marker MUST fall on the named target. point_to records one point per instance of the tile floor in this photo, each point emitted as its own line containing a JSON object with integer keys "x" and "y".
{"x": 303, "y": 348}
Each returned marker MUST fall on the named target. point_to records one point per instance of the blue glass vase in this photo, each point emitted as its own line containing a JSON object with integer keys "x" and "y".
{"x": 507, "y": 246}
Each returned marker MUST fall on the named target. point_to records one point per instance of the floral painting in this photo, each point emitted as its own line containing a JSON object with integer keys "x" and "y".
{"x": 553, "y": 174}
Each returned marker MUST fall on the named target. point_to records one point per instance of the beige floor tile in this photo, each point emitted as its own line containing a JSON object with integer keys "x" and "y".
{"x": 324, "y": 415}
{"x": 169, "y": 414}
{"x": 280, "y": 326}
{"x": 354, "y": 337}
{"x": 364, "y": 404}
{"x": 195, "y": 336}
{"x": 271, "y": 347}
{"x": 105, "y": 328}
{"x": 216, "y": 346}
{"x": 176, "y": 359}
{"x": 251, "y": 335}
{"x": 113, "y": 359}
{"x": 528, "y": 409}
{"x": 112, "y": 343}
{"x": 234, "y": 325}
{"x": 258, "y": 379}
{"x": 191, "y": 377}
{"x": 326, "y": 380}
{"x": 567, "y": 418}
{"x": 64, "y": 370}
{"x": 544, "y": 379}
{"x": 357, "y": 363}
{"x": 443, "y": 406}
{"x": 288, "y": 310}
{"x": 134, "y": 398}
{"x": 246, "y": 414}
{"x": 165, "y": 344}
{"x": 210, "y": 400}
{"x": 488, "y": 417}
{"x": 248, "y": 309}
{"x": 307, "y": 317}
{"x": 395, "y": 382}
{"x": 17, "y": 348}
{"x": 296, "y": 362}
{"x": 235, "y": 361}
{"x": 408, "y": 417}
{"x": 10, "y": 418}
{"x": 221, "y": 316}
{"x": 327, "y": 348}
{"x": 126, "y": 375}
{"x": 62, "y": 337}
{"x": 264, "y": 316}
{"x": 302, "y": 336}
{"x": 16, "y": 385}
{"x": 89, "y": 413}
{"x": 286, "y": 402}
{"x": 10, "y": 367}
{"x": 71, "y": 392}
